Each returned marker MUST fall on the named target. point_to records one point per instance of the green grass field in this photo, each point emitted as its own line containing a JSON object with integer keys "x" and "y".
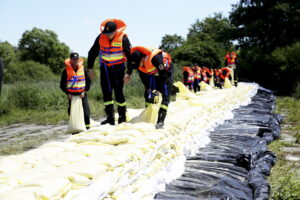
{"x": 285, "y": 176}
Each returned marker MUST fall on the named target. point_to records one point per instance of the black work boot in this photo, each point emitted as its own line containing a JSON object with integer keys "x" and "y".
{"x": 162, "y": 113}
{"x": 110, "y": 115}
{"x": 122, "y": 114}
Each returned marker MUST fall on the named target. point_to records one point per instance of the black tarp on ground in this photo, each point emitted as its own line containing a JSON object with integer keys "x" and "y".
{"x": 234, "y": 165}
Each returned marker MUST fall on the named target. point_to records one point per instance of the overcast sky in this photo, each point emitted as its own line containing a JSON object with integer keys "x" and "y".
{"x": 77, "y": 22}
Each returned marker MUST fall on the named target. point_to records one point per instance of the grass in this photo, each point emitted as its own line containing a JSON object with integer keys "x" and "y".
{"x": 285, "y": 176}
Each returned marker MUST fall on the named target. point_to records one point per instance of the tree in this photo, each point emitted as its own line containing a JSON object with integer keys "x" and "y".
{"x": 170, "y": 42}
{"x": 207, "y": 42}
{"x": 44, "y": 47}
{"x": 268, "y": 32}
{"x": 7, "y": 53}
{"x": 266, "y": 23}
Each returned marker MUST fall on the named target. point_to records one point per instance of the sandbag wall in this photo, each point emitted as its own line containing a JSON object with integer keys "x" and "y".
{"x": 129, "y": 161}
{"x": 235, "y": 164}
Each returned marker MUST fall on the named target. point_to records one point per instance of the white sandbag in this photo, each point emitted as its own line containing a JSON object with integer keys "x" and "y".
{"x": 76, "y": 121}
{"x": 227, "y": 83}
{"x": 149, "y": 114}
{"x": 205, "y": 87}
{"x": 212, "y": 82}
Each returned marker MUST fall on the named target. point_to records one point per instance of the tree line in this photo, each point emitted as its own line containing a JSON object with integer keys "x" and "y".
{"x": 264, "y": 33}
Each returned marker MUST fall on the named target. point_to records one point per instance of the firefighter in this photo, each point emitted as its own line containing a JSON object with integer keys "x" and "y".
{"x": 156, "y": 73}
{"x": 197, "y": 77}
{"x": 188, "y": 77}
{"x": 114, "y": 47}
{"x": 231, "y": 62}
{"x": 224, "y": 73}
{"x": 75, "y": 80}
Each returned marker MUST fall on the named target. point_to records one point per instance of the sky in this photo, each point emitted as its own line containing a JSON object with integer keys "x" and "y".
{"x": 77, "y": 22}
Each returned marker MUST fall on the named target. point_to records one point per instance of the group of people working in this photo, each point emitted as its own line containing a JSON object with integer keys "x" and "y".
{"x": 193, "y": 74}
{"x": 117, "y": 62}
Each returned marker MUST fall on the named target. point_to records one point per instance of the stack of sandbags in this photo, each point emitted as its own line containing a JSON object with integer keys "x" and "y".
{"x": 129, "y": 161}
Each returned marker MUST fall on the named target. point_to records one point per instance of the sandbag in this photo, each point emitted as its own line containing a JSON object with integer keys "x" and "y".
{"x": 212, "y": 82}
{"x": 149, "y": 114}
{"x": 227, "y": 83}
{"x": 76, "y": 120}
{"x": 205, "y": 87}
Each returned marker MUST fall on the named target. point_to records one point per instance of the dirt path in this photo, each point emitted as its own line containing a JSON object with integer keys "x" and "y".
{"x": 21, "y": 137}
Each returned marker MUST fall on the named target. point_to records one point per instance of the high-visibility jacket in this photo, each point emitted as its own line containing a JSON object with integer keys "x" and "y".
{"x": 231, "y": 59}
{"x": 206, "y": 74}
{"x": 167, "y": 60}
{"x": 146, "y": 65}
{"x": 75, "y": 80}
{"x": 197, "y": 72}
{"x": 190, "y": 78}
{"x": 225, "y": 73}
{"x": 111, "y": 51}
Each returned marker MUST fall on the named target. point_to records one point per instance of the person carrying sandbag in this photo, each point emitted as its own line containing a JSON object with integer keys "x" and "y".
{"x": 75, "y": 81}
{"x": 231, "y": 62}
{"x": 197, "y": 77}
{"x": 188, "y": 77}
{"x": 225, "y": 73}
{"x": 156, "y": 73}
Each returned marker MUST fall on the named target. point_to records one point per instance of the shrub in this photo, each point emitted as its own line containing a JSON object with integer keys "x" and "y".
{"x": 29, "y": 71}
{"x": 37, "y": 96}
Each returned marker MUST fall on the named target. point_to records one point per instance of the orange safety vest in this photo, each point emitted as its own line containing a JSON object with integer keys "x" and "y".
{"x": 146, "y": 65}
{"x": 231, "y": 61}
{"x": 190, "y": 78}
{"x": 111, "y": 52}
{"x": 197, "y": 72}
{"x": 206, "y": 71}
{"x": 75, "y": 80}
{"x": 225, "y": 72}
{"x": 167, "y": 60}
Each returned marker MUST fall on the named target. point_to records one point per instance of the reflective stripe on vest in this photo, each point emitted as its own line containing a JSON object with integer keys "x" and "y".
{"x": 111, "y": 52}
{"x": 75, "y": 80}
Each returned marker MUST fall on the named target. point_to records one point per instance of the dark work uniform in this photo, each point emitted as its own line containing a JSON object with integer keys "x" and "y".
{"x": 161, "y": 83}
{"x": 111, "y": 77}
{"x": 85, "y": 103}
{"x": 1, "y": 74}
{"x": 235, "y": 72}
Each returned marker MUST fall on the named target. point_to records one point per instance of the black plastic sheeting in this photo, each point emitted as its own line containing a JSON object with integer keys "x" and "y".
{"x": 235, "y": 164}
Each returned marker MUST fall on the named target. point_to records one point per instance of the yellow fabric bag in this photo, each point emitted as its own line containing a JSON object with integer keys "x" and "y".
{"x": 76, "y": 120}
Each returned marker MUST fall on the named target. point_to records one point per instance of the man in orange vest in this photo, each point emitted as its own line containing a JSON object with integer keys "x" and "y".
{"x": 156, "y": 72}
{"x": 114, "y": 48}
{"x": 75, "y": 80}
{"x": 224, "y": 73}
{"x": 197, "y": 77}
{"x": 231, "y": 62}
{"x": 188, "y": 77}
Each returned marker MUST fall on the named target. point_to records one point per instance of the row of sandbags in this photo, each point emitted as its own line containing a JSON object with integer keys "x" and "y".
{"x": 128, "y": 161}
{"x": 236, "y": 163}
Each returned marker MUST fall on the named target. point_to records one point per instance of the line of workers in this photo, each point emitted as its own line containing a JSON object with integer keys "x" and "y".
{"x": 193, "y": 74}
{"x": 117, "y": 61}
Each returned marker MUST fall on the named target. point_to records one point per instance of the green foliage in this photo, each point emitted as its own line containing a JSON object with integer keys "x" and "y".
{"x": 29, "y": 71}
{"x": 266, "y": 24}
{"x": 7, "y": 53}
{"x": 36, "y": 96}
{"x": 287, "y": 187}
{"x": 44, "y": 47}
{"x": 170, "y": 42}
{"x": 206, "y": 44}
{"x": 296, "y": 93}
{"x": 268, "y": 34}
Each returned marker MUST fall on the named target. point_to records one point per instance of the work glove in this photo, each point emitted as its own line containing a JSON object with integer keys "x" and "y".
{"x": 153, "y": 97}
